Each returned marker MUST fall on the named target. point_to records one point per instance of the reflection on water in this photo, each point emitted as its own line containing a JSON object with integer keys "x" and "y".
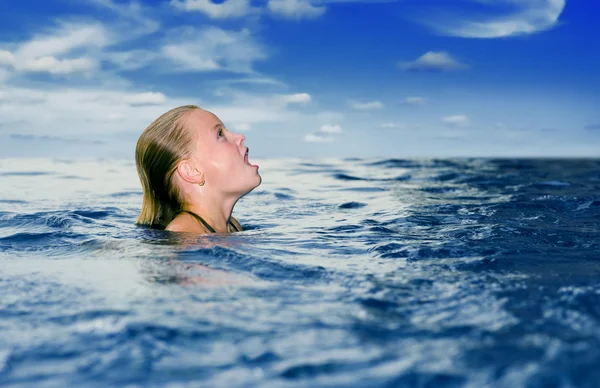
{"x": 350, "y": 273}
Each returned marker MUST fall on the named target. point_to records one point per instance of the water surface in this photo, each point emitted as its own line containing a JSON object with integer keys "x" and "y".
{"x": 432, "y": 273}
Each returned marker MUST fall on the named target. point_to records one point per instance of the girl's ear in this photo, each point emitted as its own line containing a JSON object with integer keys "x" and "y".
{"x": 188, "y": 172}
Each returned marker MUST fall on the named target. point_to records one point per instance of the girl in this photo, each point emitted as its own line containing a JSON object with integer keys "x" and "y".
{"x": 193, "y": 171}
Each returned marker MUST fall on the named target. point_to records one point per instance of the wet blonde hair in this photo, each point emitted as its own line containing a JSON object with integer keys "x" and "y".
{"x": 160, "y": 147}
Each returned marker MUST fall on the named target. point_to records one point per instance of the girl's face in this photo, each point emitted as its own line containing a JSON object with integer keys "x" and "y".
{"x": 221, "y": 155}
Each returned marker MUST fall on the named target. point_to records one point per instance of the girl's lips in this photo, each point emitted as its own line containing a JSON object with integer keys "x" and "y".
{"x": 248, "y": 162}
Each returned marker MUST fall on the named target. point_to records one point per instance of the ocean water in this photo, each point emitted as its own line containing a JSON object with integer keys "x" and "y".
{"x": 358, "y": 273}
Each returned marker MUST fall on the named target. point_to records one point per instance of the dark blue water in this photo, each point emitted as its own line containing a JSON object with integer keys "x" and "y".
{"x": 378, "y": 273}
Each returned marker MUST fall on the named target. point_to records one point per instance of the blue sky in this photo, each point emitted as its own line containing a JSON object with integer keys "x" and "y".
{"x": 305, "y": 78}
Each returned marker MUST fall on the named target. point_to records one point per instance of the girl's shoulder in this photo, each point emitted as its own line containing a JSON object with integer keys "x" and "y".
{"x": 185, "y": 222}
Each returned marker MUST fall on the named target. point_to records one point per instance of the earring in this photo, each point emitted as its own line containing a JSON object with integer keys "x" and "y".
{"x": 202, "y": 183}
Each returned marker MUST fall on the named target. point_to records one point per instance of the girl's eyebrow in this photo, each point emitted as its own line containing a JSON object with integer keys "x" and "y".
{"x": 217, "y": 127}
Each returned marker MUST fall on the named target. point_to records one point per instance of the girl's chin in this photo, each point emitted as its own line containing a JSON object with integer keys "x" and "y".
{"x": 254, "y": 183}
{"x": 257, "y": 182}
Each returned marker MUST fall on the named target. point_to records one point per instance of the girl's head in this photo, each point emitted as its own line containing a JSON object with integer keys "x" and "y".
{"x": 187, "y": 154}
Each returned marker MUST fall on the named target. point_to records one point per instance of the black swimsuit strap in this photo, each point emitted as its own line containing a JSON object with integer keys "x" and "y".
{"x": 196, "y": 216}
{"x": 201, "y": 220}
{"x": 233, "y": 225}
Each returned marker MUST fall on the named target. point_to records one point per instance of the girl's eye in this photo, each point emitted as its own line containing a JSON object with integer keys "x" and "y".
{"x": 220, "y": 132}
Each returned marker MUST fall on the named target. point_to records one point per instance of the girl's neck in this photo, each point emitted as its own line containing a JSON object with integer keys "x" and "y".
{"x": 215, "y": 213}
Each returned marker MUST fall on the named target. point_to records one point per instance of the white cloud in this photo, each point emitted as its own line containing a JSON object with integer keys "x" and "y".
{"x": 414, "y": 101}
{"x": 298, "y": 98}
{"x": 336, "y": 128}
{"x": 78, "y": 112}
{"x": 149, "y": 98}
{"x": 182, "y": 54}
{"x": 57, "y": 66}
{"x": 84, "y": 46}
{"x": 130, "y": 60}
{"x": 323, "y": 135}
{"x": 495, "y": 18}
{"x": 242, "y": 127}
{"x": 239, "y": 107}
{"x": 65, "y": 50}
{"x": 240, "y": 113}
{"x": 391, "y": 125}
{"x": 96, "y": 113}
{"x": 212, "y": 49}
{"x": 259, "y": 80}
{"x": 114, "y": 116}
{"x": 456, "y": 120}
{"x": 133, "y": 20}
{"x": 6, "y": 58}
{"x": 107, "y": 106}
{"x": 228, "y": 9}
{"x": 295, "y": 9}
{"x": 232, "y": 9}
{"x": 65, "y": 39}
{"x": 316, "y": 138}
{"x": 434, "y": 61}
{"x": 28, "y": 97}
{"x": 367, "y": 105}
